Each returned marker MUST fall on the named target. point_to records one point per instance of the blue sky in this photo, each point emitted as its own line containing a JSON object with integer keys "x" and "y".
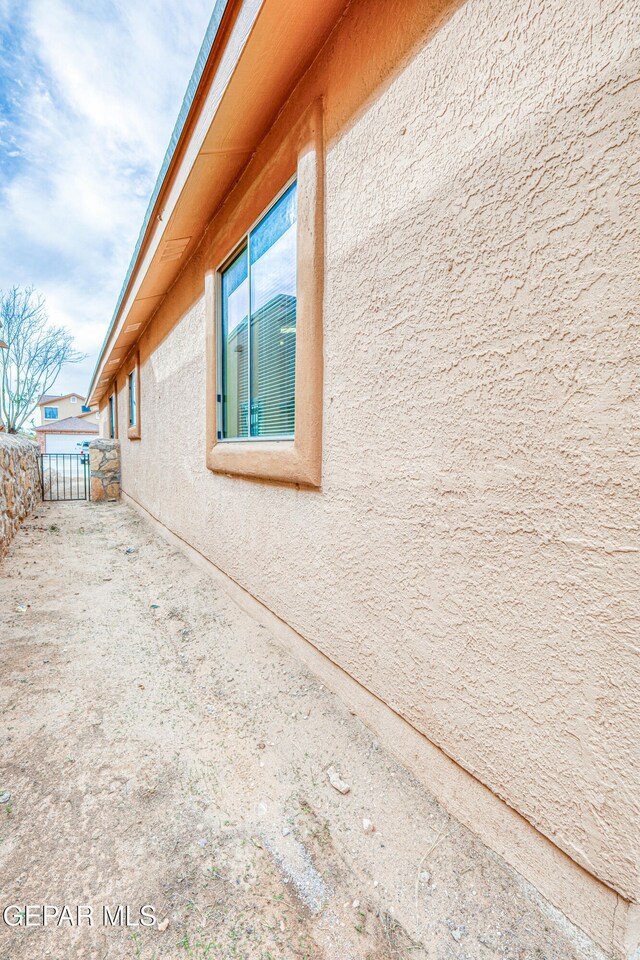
{"x": 89, "y": 93}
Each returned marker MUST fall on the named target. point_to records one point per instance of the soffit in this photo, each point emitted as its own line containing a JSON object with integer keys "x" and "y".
{"x": 268, "y": 48}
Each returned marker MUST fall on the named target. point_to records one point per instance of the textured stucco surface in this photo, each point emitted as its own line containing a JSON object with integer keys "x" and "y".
{"x": 472, "y": 556}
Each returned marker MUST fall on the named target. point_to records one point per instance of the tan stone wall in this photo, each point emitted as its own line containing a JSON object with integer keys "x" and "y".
{"x": 104, "y": 464}
{"x": 471, "y": 557}
{"x": 19, "y": 485}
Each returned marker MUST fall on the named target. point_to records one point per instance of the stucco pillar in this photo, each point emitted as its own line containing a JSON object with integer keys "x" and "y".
{"x": 104, "y": 463}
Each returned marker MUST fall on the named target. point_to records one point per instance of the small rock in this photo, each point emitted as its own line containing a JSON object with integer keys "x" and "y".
{"x": 261, "y": 746}
{"x": 367, "y": 826}
{"x": 337, "y": 782}
{"x": 5, "y": 797}
{"x": 130, "y": 550}
{"x": 46, "y": 661}
{"x": 286, "y": 831}
{"x": 425, "y": 876}
{"x": 162, "y": 926}
{"x": 22, "y": 608}
{"x": 211, "y": 708}
{"x": 355, "y": 904}
{"x": 202, "y": 842}
{"x": 456, "y": 934}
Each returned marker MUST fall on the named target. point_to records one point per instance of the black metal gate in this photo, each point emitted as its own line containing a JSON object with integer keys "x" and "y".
{"x": 65, "y": 476}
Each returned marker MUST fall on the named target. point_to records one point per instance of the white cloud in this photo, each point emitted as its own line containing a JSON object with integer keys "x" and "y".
{"x": 89, "y": 94}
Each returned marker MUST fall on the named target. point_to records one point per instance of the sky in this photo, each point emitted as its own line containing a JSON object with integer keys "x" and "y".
{"x": 89, "y": 93}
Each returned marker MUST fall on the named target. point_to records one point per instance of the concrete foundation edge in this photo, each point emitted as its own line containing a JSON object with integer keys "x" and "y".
{"x": 609, "y": 920}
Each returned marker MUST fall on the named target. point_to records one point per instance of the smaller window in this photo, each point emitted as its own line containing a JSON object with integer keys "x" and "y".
{"x": 73, "y": 399}
{"x": 133, "y": 385}
{"x": 112, "y": 416}
{"x": 51, "y": 413}
{"x": 133, "y": 406}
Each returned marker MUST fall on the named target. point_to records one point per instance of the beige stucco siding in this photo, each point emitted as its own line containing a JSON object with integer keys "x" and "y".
{"x": 472, "y": 555}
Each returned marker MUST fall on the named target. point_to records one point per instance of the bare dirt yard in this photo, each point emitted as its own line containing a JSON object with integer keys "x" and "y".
{"x": 162, "y": 751}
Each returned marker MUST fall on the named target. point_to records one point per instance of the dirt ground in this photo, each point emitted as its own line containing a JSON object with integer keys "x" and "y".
{"x": 161, "y": 750}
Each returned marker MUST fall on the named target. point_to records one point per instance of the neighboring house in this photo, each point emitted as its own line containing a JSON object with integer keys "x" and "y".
{"x": 372, "y": 359}
{"x": 52, "y": 407}
{"x": 66, "y": 436}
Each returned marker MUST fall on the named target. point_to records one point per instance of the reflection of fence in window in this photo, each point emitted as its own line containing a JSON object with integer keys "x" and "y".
{"x": 273, "y": 370}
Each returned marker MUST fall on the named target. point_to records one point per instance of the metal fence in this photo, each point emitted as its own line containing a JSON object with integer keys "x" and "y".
{"x": 65, "y": 476}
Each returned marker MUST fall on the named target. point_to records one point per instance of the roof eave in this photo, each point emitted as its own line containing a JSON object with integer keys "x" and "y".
{"x": 189, "y": 103}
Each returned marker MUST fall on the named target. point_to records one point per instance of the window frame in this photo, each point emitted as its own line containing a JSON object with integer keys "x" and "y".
{"x": 242, "y": 245}
{"x": 133, "y": 368}
{"x": 298, "y": 156}
{"x": 112, "y": 414}
{"x": 73, "y": 399}
{"x": 56, "y": 416}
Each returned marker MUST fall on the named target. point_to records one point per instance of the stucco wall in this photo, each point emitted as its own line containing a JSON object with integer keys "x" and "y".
{"x": 19, "y": 485}
{"x": 472, "y": 556}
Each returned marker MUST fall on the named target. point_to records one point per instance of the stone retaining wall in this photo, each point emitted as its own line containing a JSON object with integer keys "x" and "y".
{"x": 19, "y": 484}
{"x": 104, "y": 461}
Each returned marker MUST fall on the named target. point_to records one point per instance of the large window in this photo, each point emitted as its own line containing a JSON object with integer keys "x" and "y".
{"x": 264, "y": 289}
{"x": 258, "y": 329}
{"x": 51, "y": 413}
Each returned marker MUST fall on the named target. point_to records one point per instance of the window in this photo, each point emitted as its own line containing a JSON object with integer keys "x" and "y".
{"x": 133, "y": 394}
{"x": 112, "y": 416}
{"x": 263, "y": 307}
{"x": 73, "y": 399}
{"x": 132, "y": 399}
{"x": 51, "y": 413}
{"x": 258, "y": 335}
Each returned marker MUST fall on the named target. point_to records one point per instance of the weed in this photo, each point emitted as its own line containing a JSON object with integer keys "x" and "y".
{"x": 136, "y": 939}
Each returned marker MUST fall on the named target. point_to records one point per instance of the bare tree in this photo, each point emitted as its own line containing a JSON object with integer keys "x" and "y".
{"x": 35, "y": 354}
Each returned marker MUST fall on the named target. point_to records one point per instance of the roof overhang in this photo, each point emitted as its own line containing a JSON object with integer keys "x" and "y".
{"x": 254, "y": 53}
